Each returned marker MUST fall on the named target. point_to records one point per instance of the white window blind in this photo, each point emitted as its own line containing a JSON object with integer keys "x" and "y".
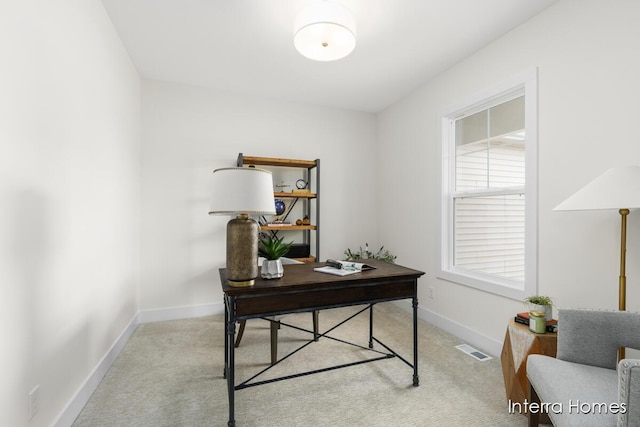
{"x": 489, "y": 215}
{"x": 489, "y": 235}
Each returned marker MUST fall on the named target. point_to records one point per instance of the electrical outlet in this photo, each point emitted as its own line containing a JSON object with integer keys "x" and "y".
{"x": 431, "y": 292}
{"x": 34, "y": 401}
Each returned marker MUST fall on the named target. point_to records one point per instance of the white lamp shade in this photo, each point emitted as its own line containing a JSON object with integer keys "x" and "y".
{"x": 242, "y": 190}
{"x": 325, "y": 31}
{"x": 617, "y": 188}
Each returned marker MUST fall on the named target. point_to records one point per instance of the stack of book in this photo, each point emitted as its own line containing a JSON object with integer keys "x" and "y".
{"x": 552, "y": 325}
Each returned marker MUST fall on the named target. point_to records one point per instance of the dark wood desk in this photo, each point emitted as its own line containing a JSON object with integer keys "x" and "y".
{"x": 303, "y": 290}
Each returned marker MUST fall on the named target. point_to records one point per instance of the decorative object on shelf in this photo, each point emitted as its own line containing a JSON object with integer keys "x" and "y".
{"x": 279, "y": 223}
{"x": 306, "y": 220}
{"x": 280, "y": 207}
{"x": 301, "y": 187}
{"x": 272, "y": 248}
{"x": 298, "y": 221}
{"x": 282, "y": 186}
{"x": 242, "y": 191}
{"x": 365, "y": 253}
{"x": 617, "y": 188}
{"x": 540, "y": 304}
{"x": 325, "y": 31}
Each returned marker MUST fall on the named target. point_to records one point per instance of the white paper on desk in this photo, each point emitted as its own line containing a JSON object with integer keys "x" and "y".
{"x": 336, "y": 271}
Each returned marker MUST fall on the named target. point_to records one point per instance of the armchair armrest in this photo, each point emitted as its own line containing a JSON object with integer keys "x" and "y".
{"x": 629, "y": 391}
{"x": 592, "y": 337}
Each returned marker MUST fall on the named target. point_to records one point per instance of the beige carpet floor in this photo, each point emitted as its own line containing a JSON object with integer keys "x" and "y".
{"x": 170, "y": 374}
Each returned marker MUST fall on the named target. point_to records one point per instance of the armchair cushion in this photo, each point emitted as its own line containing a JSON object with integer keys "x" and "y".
{"x": 572, "y": 390}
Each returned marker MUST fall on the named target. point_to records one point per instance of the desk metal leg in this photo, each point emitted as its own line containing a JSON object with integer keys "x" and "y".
{"x": 371, "y": 326}
{"x": 226, "y": 340}
{"x": 416, "y": 379}
{"x": 316, "y": 335}
{"x": 230, "y": 357}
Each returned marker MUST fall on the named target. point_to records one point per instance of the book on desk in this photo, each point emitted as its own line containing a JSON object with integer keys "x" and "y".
{"x": 343, "y": 268}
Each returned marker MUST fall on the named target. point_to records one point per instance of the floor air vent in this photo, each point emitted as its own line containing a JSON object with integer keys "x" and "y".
{"x": 476, "y": 354}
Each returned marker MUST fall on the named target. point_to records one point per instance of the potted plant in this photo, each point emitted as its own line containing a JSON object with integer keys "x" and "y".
{"x": 365, "y": 253}
{"x": 540, "y": 303}
{"x": 272, "y": 248}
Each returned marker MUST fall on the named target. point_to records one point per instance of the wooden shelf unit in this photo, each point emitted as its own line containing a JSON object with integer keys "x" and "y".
{"x": 311, "y": 174}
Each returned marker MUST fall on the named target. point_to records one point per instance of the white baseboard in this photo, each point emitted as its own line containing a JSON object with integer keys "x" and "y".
{"x": 73, "y": 409}
{"x": 468, "y": 335}
{"x": 185, "y": 312}
{"x": 81, "y": 397}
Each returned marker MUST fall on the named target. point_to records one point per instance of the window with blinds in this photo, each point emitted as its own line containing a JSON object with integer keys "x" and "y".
{"x": 488, "y": 226}
{"x": 488, "y": 201}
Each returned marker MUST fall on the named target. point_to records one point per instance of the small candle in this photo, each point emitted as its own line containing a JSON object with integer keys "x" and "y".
{"x": 537, "y": 322}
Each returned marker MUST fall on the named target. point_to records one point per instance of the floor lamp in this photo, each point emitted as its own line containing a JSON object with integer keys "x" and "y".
{"x": 618, "y": 188}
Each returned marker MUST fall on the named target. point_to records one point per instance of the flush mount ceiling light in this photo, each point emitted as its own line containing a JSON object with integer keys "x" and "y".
{"x": 325, "y": 31}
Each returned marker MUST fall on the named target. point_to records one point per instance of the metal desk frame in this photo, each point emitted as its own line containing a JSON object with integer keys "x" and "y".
{"x": 302, "y": 290}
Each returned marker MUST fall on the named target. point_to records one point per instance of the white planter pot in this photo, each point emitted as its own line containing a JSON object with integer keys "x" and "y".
{"x": 271, "y": 269}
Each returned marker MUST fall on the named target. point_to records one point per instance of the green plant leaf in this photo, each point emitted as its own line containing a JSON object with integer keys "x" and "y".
{"x": 272, "y": 247}
{"x": 365, "y": 253}
{"x": 538, "y": 300}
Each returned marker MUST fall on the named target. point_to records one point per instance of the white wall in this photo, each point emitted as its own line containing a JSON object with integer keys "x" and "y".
{"x": 190, "y": 131}
{"x": 588, "y": 63}
{"x": 69, "y": 199}
{"x": 74, "y": 186}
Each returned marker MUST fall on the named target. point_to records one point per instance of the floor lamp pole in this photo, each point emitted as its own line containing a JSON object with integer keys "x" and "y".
{"x": 622, "y": 282}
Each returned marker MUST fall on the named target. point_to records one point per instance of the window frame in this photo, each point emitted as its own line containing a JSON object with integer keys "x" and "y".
{"x": 524, "y": 84}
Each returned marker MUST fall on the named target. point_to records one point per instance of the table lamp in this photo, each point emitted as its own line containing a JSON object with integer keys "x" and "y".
{"x": 617, "y": 188}
{"x": 242, "y": 191}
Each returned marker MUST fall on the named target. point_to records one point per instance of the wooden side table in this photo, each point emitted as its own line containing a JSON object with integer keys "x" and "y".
{"x": 519, "y": 343}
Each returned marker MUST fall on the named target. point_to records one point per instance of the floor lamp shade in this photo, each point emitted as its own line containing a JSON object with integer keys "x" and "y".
{"x": 242, "y": 191}
{"x": 617, "y": 188}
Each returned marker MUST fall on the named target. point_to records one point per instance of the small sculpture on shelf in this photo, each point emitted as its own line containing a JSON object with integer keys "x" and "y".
{"x": 280, "y": 206}
{"x": 301, "y": 187}
{"x": 282, "y": 186}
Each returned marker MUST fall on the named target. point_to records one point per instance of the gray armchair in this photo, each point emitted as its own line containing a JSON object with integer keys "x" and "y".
{"x": 581, "y": 386}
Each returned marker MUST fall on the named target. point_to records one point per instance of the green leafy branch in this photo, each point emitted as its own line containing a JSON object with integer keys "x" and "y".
{"x": 381, "y": 254}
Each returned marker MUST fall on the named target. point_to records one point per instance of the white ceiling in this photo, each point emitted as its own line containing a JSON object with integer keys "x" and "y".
{"x": 246, "y": 46}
